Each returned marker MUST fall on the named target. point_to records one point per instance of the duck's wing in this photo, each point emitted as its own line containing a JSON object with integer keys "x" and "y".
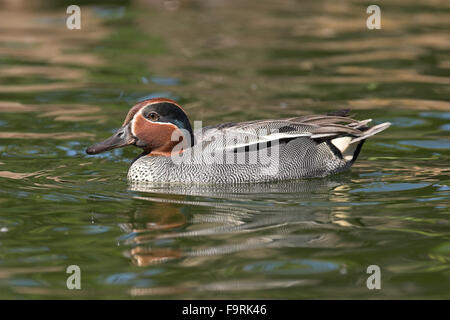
{"x": 233, "y": 136}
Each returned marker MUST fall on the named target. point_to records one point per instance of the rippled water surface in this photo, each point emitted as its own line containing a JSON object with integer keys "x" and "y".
{"x": 61, "y": 90}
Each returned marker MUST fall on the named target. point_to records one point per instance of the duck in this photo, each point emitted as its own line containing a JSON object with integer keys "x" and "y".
{"x": 255, "y": 151}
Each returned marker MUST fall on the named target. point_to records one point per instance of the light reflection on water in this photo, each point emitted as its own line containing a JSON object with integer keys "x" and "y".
{"x": 223, "y": 61}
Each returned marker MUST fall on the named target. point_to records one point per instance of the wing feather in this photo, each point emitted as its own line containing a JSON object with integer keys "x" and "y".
{"x": 229, "y": 136}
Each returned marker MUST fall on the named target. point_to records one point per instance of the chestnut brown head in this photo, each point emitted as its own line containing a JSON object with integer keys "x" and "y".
{"x": 155, "y": 125}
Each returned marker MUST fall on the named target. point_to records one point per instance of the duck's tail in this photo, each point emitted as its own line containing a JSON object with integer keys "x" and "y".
{"x": 350, "y": 146}
{"x": 344, "y": 135}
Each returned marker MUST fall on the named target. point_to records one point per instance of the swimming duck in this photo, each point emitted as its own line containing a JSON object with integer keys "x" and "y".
{"x": 252, "y": 151}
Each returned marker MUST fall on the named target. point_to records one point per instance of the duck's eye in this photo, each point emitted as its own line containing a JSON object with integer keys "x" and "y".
{"x": 153, "y": 116}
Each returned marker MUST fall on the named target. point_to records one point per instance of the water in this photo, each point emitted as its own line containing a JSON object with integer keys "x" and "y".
{"x": 61, "y": 90}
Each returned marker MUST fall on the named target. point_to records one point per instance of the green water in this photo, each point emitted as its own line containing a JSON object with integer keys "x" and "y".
{"x": 61, "y": 90}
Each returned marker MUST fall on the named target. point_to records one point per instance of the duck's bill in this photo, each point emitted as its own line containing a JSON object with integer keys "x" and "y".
{"x": 121, "y": 138}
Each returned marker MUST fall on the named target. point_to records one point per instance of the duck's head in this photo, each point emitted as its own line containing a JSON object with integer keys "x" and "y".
{"x": 155, "y": 125}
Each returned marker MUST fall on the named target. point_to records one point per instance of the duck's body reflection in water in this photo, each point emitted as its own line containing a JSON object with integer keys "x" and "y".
{"x": 230, "y": 219}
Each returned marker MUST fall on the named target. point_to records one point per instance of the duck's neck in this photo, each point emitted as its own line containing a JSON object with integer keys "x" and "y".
{"x": 139, "y": 156}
